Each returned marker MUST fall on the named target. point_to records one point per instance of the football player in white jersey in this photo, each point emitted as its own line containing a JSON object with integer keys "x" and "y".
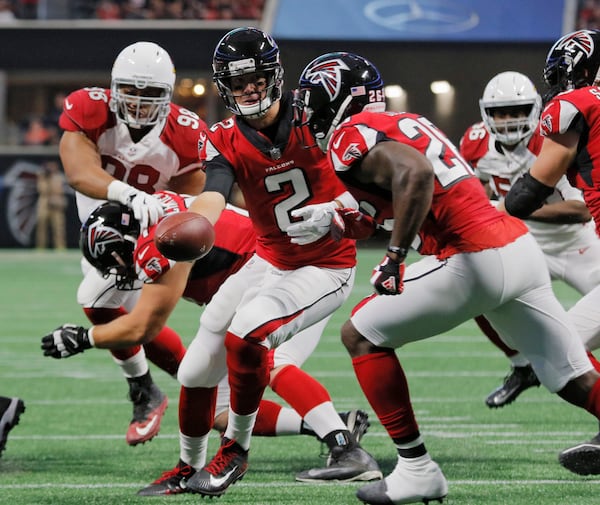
{"x": 501, "y": 148}
{"x": 123, "y": 144}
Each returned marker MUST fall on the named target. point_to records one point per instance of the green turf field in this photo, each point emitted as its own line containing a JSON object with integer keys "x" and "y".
{"x": 70, "y": 445}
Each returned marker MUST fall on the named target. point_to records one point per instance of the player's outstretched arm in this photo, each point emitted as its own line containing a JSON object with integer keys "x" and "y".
{"x": 150, "y": 314}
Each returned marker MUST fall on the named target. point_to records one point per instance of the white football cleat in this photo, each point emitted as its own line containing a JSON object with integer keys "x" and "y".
{"x": 412, "y": 481}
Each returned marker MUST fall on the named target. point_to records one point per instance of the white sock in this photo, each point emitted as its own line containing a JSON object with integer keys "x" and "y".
{"x": 192, "y": 450}
{"x": 136, "y": 366}
{"x": 239, "y": 428}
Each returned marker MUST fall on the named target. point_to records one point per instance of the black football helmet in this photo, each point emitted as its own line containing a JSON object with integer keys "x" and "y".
{"x": 247, "y": 51}
{"x": 107, "y": 240}
{"x": 572, "y": 62}
{"x": 333, "y": 87}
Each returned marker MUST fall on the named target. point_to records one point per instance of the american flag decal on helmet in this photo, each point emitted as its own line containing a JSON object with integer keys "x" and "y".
{"x": 329, "y": 75}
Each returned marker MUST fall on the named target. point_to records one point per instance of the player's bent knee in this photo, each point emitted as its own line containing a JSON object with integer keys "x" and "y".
{"x": 204, "y": 372}
{"x": 349, "y": 335}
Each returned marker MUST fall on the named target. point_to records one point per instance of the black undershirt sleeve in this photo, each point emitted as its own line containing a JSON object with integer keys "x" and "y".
{"x": 219, "y": 177}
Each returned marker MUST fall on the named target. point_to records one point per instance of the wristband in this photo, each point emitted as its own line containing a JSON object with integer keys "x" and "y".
{"x": 90, "y": 334}
{"x": 119, "y": 191}
{"x": 400, "y": 252}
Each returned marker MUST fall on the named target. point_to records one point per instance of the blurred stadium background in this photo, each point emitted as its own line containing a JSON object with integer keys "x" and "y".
{"x": 435, "y": 55}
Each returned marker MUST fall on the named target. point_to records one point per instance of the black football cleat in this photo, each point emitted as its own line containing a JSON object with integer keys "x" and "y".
{"x": 344, "y": 464}
{"x": 357, "y": 422}
{"x": 227, "y": 467}
{"x": 149, "y": 405}
{"x": 170, "y": 482}
{"x": 518, "y": 380}
{"x": 582, "y": 459}
{"x": 10, "y": 413}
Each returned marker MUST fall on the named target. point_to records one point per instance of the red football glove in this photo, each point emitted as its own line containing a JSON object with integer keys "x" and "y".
{"x": 352, "y": 223}
{"x": 387, "y": 277}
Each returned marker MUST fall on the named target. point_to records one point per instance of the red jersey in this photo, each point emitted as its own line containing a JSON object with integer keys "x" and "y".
{"x": 579, "y": 110}
{"x": 168, "y": 150}
{"x": 461, "y": 218}
{"x": 276, "y": 178}
{"x": 234, "y": 245}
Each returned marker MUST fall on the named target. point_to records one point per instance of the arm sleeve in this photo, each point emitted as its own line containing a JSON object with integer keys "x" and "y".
{"x": 219, "y": 177}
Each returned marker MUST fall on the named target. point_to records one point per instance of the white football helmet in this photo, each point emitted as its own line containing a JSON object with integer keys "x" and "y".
{"x": 147, "y": 67}
{"x": 522, "y": 104}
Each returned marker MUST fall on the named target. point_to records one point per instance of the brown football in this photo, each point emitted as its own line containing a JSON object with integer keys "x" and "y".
{"x": 184, "y": 236}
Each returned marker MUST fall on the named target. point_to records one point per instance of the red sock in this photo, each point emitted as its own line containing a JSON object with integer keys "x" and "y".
{"x": 266, "y": 420}
{"x": 592, "y": 404}
{"x": 197, "y": 410}
{"x": 103, "y": 316}
{"x": 383, "y": 382}
{"x": 299, "y": 389}
{"x": 247, "y": 364}
{"x": 493, "y": 337}
{"x": 594, "y": 361}
{"x": 166, "y": 350}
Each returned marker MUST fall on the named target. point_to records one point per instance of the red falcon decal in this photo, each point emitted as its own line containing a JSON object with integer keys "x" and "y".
{"x": 100, "y": 236}
{"x": 329, "y": 75}
{"x": 580, "y": 39}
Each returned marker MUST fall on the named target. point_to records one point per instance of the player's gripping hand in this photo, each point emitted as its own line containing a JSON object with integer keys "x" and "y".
{"x": 146, "y": 208}
{"x": 352, "y": 223}
{"x": 387, "y": 276}
{"x": 66, "y": 341}
{"x": 315, "y": 224}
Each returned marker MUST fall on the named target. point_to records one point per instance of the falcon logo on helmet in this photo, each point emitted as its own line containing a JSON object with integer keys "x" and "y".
{"x": 572, "y": 62}
{"x": 328, "y": 74}
{"x": 100, "y": 237}
{"x": 333, "y": 87}
{"x": 107, "y": 240}
{"x": 581, "y": 40}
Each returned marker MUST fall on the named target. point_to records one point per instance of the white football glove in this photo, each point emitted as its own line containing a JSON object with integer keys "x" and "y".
{"x": 146, "y": 208}
{"x": 315, "y": 224}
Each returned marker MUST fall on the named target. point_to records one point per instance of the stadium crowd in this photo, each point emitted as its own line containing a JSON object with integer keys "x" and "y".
{"x": 134, "y": 9}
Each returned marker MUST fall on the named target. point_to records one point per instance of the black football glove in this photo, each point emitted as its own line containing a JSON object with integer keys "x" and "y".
{"x": 352, "y": 223}
{"x": 387, "y": 277}
{"x": 66, "y": 341}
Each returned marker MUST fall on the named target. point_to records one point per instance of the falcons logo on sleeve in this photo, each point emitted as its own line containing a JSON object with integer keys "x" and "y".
{"x": 329, "y": 75}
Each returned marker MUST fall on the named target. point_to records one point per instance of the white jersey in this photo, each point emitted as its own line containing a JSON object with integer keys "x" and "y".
{"x": 501, "y": 168}
{"x": 168, "y": 150}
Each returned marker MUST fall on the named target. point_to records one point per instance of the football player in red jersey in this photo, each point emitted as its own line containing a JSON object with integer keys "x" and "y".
{"x": 570, "y": 124}
{"x": 291, "y": 196}
{"x": 109, "y": 240}
{"x": 441, "y": 208}
{"x": 501, "y": 148}
{"x": 123, "y": 144}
